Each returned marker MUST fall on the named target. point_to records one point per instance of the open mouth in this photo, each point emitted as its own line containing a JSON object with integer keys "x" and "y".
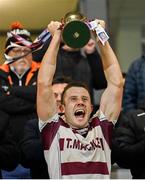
{"x": 79, "y": 113}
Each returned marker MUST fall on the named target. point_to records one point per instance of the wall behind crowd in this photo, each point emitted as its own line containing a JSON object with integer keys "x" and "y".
{"x": 125, "y": 19}
{"x": 2, "y": 45}
{"x": 34, "y": 15}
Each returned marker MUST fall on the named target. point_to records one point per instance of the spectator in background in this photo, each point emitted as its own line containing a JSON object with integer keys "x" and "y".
{"x": 68, "y": 140}
{"x": 18, "y": 88}
{"x": 9, "y": 154}
{"x": 134, "y": 89}
{"x": 32, "y": 155}
{"x": 128, "y": 147}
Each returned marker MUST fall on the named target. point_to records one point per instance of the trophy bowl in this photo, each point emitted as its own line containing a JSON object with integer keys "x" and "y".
{"x": 76, "y": 33}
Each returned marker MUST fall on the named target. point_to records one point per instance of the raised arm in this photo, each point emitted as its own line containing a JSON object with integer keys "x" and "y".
{"x": 46, "y": 103}
{"x": 111, "y": 99}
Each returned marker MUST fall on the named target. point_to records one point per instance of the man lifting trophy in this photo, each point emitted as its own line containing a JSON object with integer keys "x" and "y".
{"x": 77, "y": 145}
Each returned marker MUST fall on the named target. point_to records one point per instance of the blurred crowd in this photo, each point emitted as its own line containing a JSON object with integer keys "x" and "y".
{"x": 21, "y": 142}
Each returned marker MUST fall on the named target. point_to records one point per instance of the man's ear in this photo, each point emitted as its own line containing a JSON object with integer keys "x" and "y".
{"x": 62, "y": 108}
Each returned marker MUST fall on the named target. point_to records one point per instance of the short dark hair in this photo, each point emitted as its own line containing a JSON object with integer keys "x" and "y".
{"x": 73, "y": 84}
{"x": 61, "y": 79}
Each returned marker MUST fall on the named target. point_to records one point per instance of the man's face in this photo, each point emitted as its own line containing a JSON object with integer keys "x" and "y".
{"x": 57, "y": 90}
{"x": 22, "y": 64}
{"x": 77, "y": 107}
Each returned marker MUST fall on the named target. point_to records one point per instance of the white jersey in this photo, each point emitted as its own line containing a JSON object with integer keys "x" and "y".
{"x": 70, "y": 155}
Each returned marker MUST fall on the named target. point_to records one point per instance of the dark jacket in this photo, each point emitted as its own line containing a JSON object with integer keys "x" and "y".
{"x": 128, "y": 147}
{"x": 18, "y": 101}
{"x": 9, "y": 155}
{"x": 79, "y": 68}
{"x": 134, "y": 90}
{"x": 32, "y": 155}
